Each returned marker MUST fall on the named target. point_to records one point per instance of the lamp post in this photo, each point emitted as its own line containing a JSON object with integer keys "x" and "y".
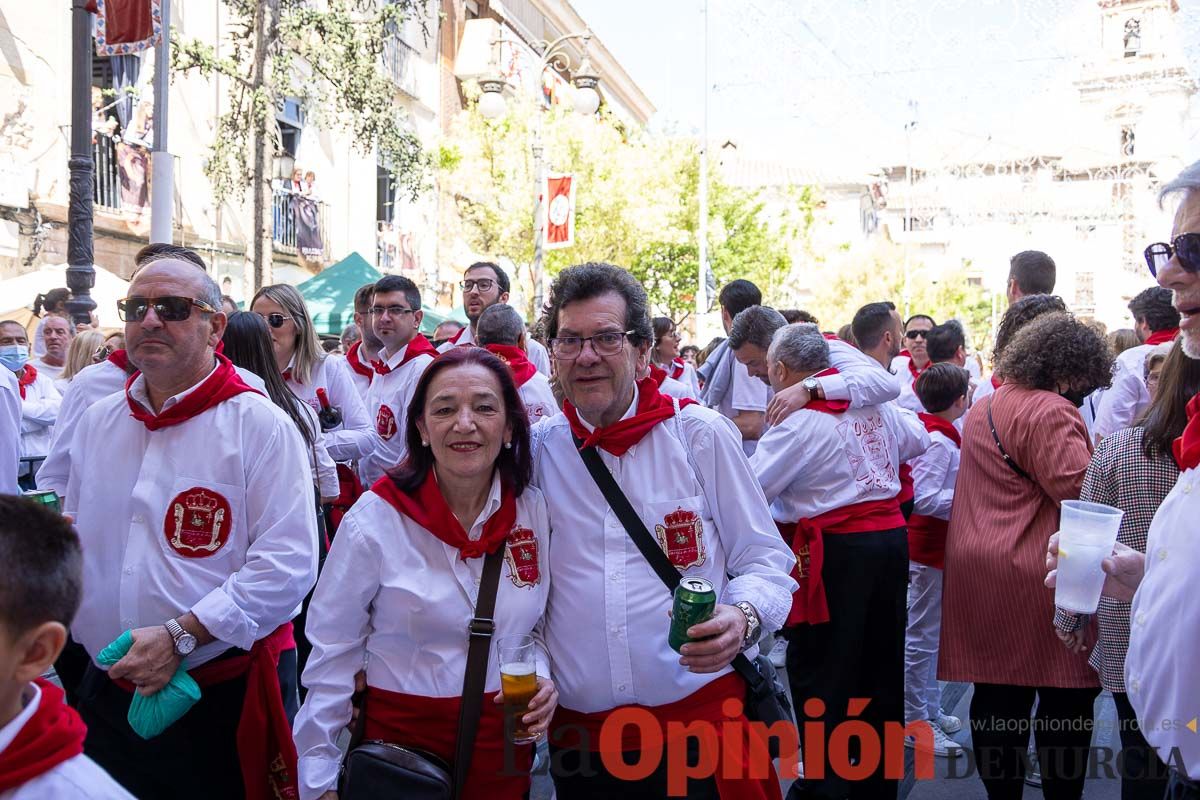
{"x": 81, "y": 271}
{"x": 586, "y": 101}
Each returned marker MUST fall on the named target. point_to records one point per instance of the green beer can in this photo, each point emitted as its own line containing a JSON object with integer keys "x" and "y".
{"x": 695, "y": 601}
{"x": 46, "y": 497}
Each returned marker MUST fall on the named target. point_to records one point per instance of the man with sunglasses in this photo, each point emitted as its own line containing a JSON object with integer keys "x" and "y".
{"x": 913, "y": 360}
{"x": 40, "y": 399}
{"x": 485, "y": 284}
{"x": 396, "y": 319}
{"x": 193, "y": 499}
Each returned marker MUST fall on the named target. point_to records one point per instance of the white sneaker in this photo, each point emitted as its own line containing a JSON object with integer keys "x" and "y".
{"x": 949, "y": 724}
{"x": 778, "y": 653}
{"x": 943, "y": 745}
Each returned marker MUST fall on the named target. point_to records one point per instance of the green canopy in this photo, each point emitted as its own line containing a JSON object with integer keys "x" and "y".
{"x": 330, "y": 294}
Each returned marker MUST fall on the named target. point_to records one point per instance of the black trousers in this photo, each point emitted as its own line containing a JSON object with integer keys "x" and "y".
{"x": 1000, "y": 718}
{"x": 582, "y": 776}
{"x": 1180, "y": 788}
{"x": 858, "y": 654}
{"x": 194, "y": 759}
{"x": 1143, "y": 774}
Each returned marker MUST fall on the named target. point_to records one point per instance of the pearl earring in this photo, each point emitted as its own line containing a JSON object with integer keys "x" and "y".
{"x": 508, "y": 445}
{"x": 424, "y": 443}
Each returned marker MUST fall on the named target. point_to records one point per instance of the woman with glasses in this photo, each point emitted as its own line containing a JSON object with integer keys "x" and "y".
{"x": 403, "y": 577}
{"x": 665, "y": 355}
{"x": 307, "y": 369}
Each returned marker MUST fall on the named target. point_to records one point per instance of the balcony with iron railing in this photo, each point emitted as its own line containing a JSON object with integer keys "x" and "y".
{"x": 106, "y": 193}
{"x": 299, "y": 224}
{"x": 400, "y": 63}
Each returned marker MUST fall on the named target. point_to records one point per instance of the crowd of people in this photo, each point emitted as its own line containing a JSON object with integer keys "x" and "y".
{"x": 267, "y": 540}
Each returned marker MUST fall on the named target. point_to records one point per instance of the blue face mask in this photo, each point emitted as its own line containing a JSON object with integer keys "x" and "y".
{"x": 14, "y": 356}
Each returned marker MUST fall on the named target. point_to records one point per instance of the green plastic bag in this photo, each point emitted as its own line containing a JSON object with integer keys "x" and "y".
{"x": 150, "y": 716}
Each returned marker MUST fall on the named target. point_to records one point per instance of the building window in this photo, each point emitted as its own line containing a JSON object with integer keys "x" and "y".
{"x": 1127, "y": 140}
{"x": 1133, "y": 37}
{"x": 1085, "y": 292}
{"x": 290, "y": 117}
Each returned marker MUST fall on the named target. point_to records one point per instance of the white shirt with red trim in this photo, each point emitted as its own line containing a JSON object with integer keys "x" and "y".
{"x": 51, "y": 371}
{"x": 689, "y": 475}
{"x": 678, "y": 389}
{"x": 214, "y": 515}
{"x": 934, "y": 474}
{"x": 387, "y": 404}
{"x": 77, "y": 777}
{"x": 908, "y": 394}
{"x": 39, "y": 412}
{"x": 393, "y": 594}
{"x": 813, "y": 462}
{"x": 355, "y": 437}
{"x": 535, "y": 351}
{"x": 10, "y": 432}
{"x": 538, "y": 398}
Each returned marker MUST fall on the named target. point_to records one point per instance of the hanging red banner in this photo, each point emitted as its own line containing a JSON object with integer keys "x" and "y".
{"x": 559, "y": 217}
{"x": 127, "y": 26}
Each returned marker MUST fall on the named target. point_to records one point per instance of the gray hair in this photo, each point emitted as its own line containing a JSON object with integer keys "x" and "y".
{"x": 1185, "y": 183}
{"x": 800, "y": 347}
{"x": 499, "y": 324}
{"x": 755, "y": 325}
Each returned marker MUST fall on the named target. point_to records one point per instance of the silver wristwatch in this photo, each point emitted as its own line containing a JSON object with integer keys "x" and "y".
{"x": 185, "y": 643}
{"x": 753, "y": 625}
{"x": 812, "y": 386}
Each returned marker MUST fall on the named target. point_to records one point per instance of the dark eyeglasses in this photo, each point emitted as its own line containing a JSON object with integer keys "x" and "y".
{"x": 915, "y": 334}
{"x": 391, "y": 311}
{"x": 275, "y": 320}
{"x": 568, "y": 348}
{"x": 167, "y": 309}
{"x": 1185, "y": 247}
{"x": 102, "y": 352}
{"x": 483, "y": 284}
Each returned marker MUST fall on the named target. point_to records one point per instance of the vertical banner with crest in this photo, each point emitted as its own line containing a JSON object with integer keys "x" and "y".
{"x": 559, "y": 220}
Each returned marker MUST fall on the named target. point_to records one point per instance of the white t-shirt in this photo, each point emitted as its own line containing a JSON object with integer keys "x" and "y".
{"x": 745, "y": 394}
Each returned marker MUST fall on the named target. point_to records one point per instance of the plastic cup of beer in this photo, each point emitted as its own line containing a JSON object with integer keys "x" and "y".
{"x": 1087, "y": 533}
{"x": 518, "y": 680}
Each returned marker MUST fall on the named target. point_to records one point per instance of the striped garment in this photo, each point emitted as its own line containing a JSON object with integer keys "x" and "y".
{"x": 1121, "y": 476}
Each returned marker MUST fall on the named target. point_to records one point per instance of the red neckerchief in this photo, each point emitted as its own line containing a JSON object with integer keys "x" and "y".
{"x": 1162, "y": 337}
{"x": 356, "y": 363}
{"x": 827, "y": 406}
{"x": 287, "y": 374}
{"x": 518, "y": 363}
{"x": 120, "y": 358}
{"x": 912, "y": 370}
{"x": 657, "y": 374}
{"x": 939, "y": 425}
{"x": 652, "y": 408}
{"x": 427, "y": 507}
{"x": 1187, "y": 447}
{"x": 26, "y": 378}
{"x": 677, "y": 369}
{"x": 52, "y": 735}
{"x": 996, "y": 382}
{"x": 454, "y": 339}
{"x": 831, "y": 337}
{"x": 419, "y": 346}
{"x": 218, "y": 387}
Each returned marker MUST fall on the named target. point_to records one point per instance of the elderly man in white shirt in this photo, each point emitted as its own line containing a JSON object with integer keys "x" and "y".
{"x": 501, "y": 331}
{"x": 193, "y": 499}
{"x": 40, "y": 399}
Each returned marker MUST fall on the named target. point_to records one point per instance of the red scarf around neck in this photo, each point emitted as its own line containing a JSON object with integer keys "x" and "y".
{"x": 52, "y": 735}
{"x": 996, "y": 382}
{"x": 518, "y": 363}
{"x": 218, "y": 387}
{"x": 1162, "y": 337}
{"x": 1187, "y": 446}
{"x": 356, "y": 364}
{"x": 427, "y": 507}
{"x": 912, "y": 370}
{"x": 827, "y": 406}
{"x": 677, "y": 368}
{"x": 935, "y": 424}
{"x": 26, "y": 378}
{"x": 419, "y": 346}
{"x": 657, "y": 374}
{"x": 652, "y": 408}
{"x": 454, "y": 339}
{"x": 120, "y": 358}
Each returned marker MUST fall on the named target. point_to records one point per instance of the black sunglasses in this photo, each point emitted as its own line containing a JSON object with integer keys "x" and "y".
{"x": 915, "y": 334}
{"x": 167, "y": 309}
{"x": 1185, "y": 247}
{"x": 275, "y": 320}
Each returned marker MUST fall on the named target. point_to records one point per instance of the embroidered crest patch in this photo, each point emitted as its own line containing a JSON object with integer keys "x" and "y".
{"x": 198, "y": 522}
{"x": 521, "y": 553}
{"x": 681, "y": 536}
{"x": 385, "y": 423}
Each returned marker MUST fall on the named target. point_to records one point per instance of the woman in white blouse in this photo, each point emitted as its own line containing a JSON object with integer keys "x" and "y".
{"x": 402, "y": 579}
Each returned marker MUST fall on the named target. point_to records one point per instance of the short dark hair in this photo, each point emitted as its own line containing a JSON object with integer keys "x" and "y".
{"x": 514, "y": 463}
{"x": 909, "y": 321}
{"x": 501, "y": 276}
{"x": 160, "y": 251}
{"x": 794, "y": 315}
{"x": 689, "y": 348}
{"x": 1057, "y": 350}
{"x": 940, "y": 385}
{"x": 1033, "y": 271}
{"x": 398, "y": 283}
{"x": 944, "y": 340}
{"x": 871, "y": 322}
{"x": 362, "y": 298}
{"x": 737, "y": 296}
{"x": 1153, "y": 306}
{"x": 499, "y": 324}
{"x": 755, "y": 325}
{"x": 592, "y": 279}
{"x": 41, "y": 573}
{"x": 662, "y": 326}
{"x": 1020, "y": 314}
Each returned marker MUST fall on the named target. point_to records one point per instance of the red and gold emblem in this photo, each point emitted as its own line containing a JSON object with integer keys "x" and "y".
{"x": 803, "y": 561}
{"x": 198, "y": 522}
{"x": 521, "y": 553}
{"x": 681, "y": 536}
{"x": 385, "y": 423}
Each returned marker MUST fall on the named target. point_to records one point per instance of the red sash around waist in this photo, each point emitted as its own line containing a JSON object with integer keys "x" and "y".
{"x": 927, "y": 540}
{"x": 805, "y": 536}
{"x": 906, "y": 485}
{"x": 703, "y": 705}
{"x": 431, "y": 724}
{"x": 266, "y": 750}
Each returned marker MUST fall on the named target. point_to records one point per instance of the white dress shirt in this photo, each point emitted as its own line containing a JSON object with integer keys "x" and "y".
{"x": 934, "y": 473}
{"x": 131, "y": 490}
{"x": 908, "y": 393}
{"x": 746, "y": 394}
{"x": 813, "y": 462}
{"x": 355, "y": 437}
{"x": 39, "y": 412}
{"x": 393, "y": 594}
{"x": 691, "y": 465}
{"x": 76, "y": 778}
{"x": 49, "y": 370}
{"x": 387, "y": 404}
{"x": 535, "y": 351}
{"x": 324, "y": 470}
{"x": 1160, "y": 667}
{"x": 678, "y": 389}
{"x": 10, "y": 432}
{"x": 1128, "y": 396}
{"x": 538, "y": 398}
{"x": 688, "y": 378}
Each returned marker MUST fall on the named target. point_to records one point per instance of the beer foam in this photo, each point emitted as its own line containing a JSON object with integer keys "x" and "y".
{"x": 517, "y": 670}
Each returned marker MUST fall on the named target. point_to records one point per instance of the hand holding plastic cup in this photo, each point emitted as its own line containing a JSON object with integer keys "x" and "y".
{"x": 1087, "y": 534}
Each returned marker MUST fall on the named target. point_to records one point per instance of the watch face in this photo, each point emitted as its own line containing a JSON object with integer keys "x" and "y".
{"x": 186, "y": 644}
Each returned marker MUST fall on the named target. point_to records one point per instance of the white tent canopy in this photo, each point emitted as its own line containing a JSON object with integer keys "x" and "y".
{"x": 17, "y": 294}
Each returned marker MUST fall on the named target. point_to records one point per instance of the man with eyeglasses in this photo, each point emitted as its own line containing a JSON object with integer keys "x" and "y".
{"x": 396, "y": 321}
{"x": 913, "y": 360}
{"x": 683, "y": 471}
{"x": 485, "y": 284}
{"x": 193, "y": 499}
{"x": 360, "y": 354}
{"x": 40, "y": 399}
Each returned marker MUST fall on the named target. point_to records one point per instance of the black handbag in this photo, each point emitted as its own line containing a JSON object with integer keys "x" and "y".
{"x": 374, "y": 769}
{"x": 766, "y": 698}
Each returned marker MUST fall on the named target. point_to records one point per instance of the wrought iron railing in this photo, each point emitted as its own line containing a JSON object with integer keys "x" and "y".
{"x": 299, "y": 225}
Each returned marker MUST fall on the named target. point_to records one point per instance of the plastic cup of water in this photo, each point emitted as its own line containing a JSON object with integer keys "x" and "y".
{"x": 1087, "y": 533}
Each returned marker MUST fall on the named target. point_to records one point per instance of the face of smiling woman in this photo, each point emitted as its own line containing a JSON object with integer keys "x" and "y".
{"x": 464, "y": 421}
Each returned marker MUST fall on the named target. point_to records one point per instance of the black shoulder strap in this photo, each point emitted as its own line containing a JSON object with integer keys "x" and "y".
{"x": 1013, "y": 465}
{"x": 481, "y": 628}
{"x": 637, "y": 531}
